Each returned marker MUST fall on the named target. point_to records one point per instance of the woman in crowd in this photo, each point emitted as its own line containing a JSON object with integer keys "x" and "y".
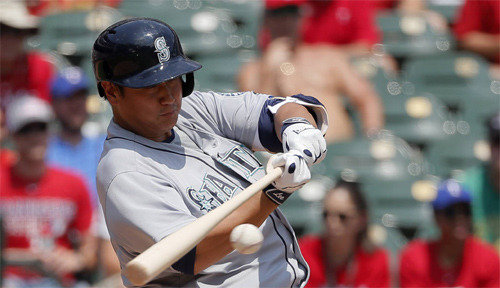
{"x": 343, "y": 255}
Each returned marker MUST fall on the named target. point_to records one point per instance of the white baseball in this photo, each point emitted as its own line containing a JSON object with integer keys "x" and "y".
{"x": 246, "y": 238}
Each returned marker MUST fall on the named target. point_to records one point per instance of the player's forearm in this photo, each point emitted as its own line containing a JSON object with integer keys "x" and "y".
{"x": 217, "y": 245}
{"x": 485, "y": 44}
{"x": 290, "y": 110}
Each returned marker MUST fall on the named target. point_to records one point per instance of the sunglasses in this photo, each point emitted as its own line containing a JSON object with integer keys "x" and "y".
{"x": 344, "y": 217}
{"x": 32, "y": 128}
{"x": 456, "y": 209}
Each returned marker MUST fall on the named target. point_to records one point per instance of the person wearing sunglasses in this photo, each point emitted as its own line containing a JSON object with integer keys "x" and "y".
{"x": 344, "y": 255}
{"x": 46, "y": 212}
{"x": 456, "y": 258}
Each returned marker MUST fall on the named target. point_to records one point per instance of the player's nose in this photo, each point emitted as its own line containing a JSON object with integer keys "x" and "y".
{"x": 166, "y": 94}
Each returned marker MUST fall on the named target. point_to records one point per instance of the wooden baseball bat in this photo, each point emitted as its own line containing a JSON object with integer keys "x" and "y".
{"x": 167, "y": 251}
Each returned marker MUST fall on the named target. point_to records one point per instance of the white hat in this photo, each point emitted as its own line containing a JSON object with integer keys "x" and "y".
{"x": 26, "y": 109}
{"x": 16, "y": 15}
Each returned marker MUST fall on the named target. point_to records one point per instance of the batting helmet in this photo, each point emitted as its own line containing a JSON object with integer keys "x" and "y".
{"x": 141, "y": 52}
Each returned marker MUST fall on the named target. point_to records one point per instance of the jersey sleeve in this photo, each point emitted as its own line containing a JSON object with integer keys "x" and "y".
{"x": 141, "y": 209}
{"x": 247, "y": 117}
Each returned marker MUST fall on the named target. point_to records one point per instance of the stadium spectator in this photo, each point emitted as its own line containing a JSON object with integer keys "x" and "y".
{"x": 21, "y": 71}
{"x": 456, "y": 259}
{"x": 288, "y": 67}
{"x": 484, "y": 182}
{"x": 478, "y": 28}
{"x": 344, "y": 256}
{"x": 46, "y": 211}
{"x": 350, "y": 25}
{"x": 70, "y": 148}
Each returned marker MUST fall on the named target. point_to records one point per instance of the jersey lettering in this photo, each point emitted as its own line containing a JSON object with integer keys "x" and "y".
{"x": 241, "y": 161}
{"x": 213, "y": 193}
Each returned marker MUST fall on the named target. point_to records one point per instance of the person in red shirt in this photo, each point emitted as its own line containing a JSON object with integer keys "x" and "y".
{"x": 21, "y": 71}
{"x": 345, "y": 23}
{"x": 456, "y": 259}
{"x": 344, "y": 256}
{"x": 46, "y": 212}
{"x": 478, "y": 28}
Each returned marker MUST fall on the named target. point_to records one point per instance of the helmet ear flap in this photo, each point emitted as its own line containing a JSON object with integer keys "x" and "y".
{"x": 188, "y": 85}
{"x": 101, "y": 90}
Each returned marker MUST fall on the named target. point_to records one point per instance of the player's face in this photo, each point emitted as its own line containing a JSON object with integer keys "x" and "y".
{"x": 341, "y": 217}
{"x": 150, "y": 112}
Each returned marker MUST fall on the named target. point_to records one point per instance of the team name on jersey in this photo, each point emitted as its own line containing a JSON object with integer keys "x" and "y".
{"x": 213, "y": 192}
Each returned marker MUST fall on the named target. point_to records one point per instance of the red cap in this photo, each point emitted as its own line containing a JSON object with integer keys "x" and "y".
{"x": 275, "y": 4}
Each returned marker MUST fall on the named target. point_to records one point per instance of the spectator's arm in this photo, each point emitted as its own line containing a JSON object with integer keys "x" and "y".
{"x": 485, "y": 44}
{"x": 363, "y": 96}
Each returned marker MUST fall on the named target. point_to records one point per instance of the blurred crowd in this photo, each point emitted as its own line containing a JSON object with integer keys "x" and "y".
{"x": 53, "y": 230}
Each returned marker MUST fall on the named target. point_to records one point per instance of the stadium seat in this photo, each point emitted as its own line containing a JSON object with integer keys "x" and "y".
{"x": 465, "y": 146}
{"x": 384, "y": 156}
{"x": 202, "y": 28}
{"x": 417, "y": 117}
{"x": 74, "y": 33}
{"x": 411, "y": 35}
{"x": 459, "y": 79}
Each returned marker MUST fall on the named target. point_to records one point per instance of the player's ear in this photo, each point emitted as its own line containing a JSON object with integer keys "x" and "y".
{"x": 113, "y": 92}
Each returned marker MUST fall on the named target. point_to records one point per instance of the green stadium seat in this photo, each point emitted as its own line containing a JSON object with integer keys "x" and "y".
{"x": 411, "y": 35}
{"x": 460, "y": 80}
{"x": 74, "y": 33}
{"x": 465, "y": 146}
{"x": 418, "y": 118}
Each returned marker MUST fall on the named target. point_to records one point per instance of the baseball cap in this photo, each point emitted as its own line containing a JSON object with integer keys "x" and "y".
{"x": 27, "y": 109}
{"x": 68, "y": 81}
{"x": 450, "y": 192}
{"x": 15, "y": 14}
{"x": 494, "y": 128}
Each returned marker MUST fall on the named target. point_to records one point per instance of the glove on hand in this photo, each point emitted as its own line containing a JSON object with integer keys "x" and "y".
{"x": 295, "y": 174}
{"x": 298, "y": 134}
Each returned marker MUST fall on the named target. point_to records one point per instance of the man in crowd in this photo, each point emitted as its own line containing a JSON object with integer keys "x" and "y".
{"x": 69, "y": 148}
{"x": 456, "y": 259}
{"x": 46, "y": 212}
{"x": 288, "y": 67}
{"x": 21, "y": 71}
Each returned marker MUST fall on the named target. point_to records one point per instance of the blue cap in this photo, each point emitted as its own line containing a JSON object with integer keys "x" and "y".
{"x": 67, "y": 82}
{"x": 450, "y": 192}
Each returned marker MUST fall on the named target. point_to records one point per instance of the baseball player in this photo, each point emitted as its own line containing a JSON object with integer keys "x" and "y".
{"x": 173, "y": 154}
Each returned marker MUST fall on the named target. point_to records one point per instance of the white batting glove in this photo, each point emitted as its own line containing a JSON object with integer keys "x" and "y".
{"x": 298, "y": 134}
{"x": 295, "y": 174}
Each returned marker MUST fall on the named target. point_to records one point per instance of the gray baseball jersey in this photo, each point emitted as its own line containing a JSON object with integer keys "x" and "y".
{"x": 150, "y": 189}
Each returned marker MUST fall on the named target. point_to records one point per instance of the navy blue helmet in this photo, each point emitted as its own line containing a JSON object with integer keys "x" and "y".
{"x": 139, "y": 53}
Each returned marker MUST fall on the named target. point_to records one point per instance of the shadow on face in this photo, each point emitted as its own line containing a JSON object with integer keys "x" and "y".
{"x": 31, "y": 141}
{"x": 454, "y": 222}
{"x": 71, "y": 111}
{"x": 342, "y": 219}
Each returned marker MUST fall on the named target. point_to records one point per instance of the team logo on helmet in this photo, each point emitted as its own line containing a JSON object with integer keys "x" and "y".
{"x": 162, "y": 49}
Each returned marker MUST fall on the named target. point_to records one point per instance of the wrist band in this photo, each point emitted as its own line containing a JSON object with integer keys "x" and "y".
{"x": 293, "y": 120}
{"x": 276, "y": 195}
